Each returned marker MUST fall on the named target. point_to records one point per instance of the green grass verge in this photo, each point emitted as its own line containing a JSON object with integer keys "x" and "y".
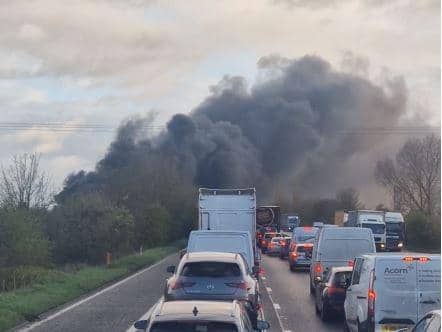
{"x": 59, "y": 287}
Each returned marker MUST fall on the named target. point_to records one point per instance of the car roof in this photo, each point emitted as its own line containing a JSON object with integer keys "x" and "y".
{"x": 342, "y": 269}
{"x": 205, "y": 310}
{"x": 212, "y": 256}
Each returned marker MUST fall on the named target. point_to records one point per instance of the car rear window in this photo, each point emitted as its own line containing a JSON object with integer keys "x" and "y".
{"x": 304, "y": 249}
{"x": 271, "y": 235}
{"x": 342, "y": 277}
{"x": 277, "y": 239}
{"x": 183, "y": 326}
{"x": 211, "y": 270}
{"x": 345, "y": 249}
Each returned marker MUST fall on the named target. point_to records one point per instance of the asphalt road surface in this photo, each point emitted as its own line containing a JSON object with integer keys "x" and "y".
{"x": 113, "y": 309}
{"x": 287, "y": 305}
{"x": 289, "y": 292}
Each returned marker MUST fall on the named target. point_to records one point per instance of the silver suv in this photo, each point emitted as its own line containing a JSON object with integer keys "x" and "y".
{"x": 194, "y": 316}
{"x": 213, "y": 276}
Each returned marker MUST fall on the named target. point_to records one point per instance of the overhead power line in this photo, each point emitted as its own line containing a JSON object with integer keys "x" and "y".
{"x": 109, "y": 128}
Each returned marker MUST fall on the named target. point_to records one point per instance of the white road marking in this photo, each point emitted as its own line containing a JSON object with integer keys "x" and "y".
{"x": 76, "y": 304}
{"x": 263, "y": 278}
{"x": 276, "y": 311}
{"x": 276, "y": 306}
{"x": 145, "y": 316}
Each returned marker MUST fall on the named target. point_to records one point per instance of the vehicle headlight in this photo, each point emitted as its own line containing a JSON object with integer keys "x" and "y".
{"x": 400, "y": 244}
{"x": 382, "y": 245}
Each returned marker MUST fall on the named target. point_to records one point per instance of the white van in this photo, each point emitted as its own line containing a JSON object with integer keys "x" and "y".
{"x": 392, "y": 291}
{"x": 338, "y": 246}
{"x": 239, "y": 242}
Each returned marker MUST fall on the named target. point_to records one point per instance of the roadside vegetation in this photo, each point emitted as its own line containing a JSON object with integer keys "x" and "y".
{"x": 56, "y": 286}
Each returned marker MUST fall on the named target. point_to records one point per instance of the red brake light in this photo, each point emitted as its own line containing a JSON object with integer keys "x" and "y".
{"x": 282, "y": 242}
{"x": 423, "y": 259}
{"x": 351, "y": 263}
{"x": 307, "y": 228}
{"x": 294, "y": 255}
{"x": 178, "y": 284}
{"x": 240, "y": 285}
{"x": 318, "y": 268}
{"x": 371, "y": 295}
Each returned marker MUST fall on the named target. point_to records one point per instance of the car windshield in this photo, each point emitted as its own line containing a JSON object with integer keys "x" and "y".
{"x": 181, "y": 326}
{"x": 375, "y": 228}
{"x": 394, "y": 228}
{"x": 211, "y": 270}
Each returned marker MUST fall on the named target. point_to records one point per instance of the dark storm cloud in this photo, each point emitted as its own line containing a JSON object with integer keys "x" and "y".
{"x": 297, "y": 127}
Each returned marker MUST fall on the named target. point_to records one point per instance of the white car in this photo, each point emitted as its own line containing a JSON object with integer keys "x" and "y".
{"x": 197, "y": 316}
{"x": 389, "y": 292}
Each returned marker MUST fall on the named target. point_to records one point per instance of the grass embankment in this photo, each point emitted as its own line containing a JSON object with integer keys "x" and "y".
{"x": 58, "y": 287}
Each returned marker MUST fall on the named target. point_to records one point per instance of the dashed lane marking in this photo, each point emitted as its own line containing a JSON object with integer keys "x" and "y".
{"x": 269, "y": 290}
{"x": 276, "y": 306}
{"x": 263, "y": 278}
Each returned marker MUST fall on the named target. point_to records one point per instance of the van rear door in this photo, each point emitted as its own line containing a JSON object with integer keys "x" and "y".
{"x": 395, "y": 289}
{"x": 428, "y": 284}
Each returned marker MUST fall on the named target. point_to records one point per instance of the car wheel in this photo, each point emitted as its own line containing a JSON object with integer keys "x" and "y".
{"x": 345, "y": 326}
{"x": 316, "y": 306}
{"x": 312, "y": 289}
{"x": 325, "y": 312}
{"x": 292, "y": 268}
{"x": 361, "y": 327}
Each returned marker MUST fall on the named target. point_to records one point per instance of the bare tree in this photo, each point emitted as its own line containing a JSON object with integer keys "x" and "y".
{"x": 414, "y": 177}
{"x": 23, "y": 185}
{"x": 348, "y": 199}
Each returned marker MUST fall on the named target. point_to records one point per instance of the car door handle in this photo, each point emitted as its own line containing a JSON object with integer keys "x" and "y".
{"x": 361, "y": 297}
{"x": 428, "y": 302}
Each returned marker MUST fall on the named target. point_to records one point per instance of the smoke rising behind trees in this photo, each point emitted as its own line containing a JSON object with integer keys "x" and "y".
{"x": 297, "y": 128}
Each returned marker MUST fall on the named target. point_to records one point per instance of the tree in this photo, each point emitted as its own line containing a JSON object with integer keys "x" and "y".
{"x": 348, "y": 199}
{"x": 414, "y": 177}
{"x": 22, "y": 241}
{"x": 85, "y": 227}
{"x": 23, "y": 185}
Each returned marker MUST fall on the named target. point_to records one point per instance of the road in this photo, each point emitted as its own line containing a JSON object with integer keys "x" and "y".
{"x": 290, "y": 294}
{"x": 286, "y": 302}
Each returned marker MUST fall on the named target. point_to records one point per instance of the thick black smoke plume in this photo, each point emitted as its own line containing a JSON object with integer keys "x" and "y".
{"x": 297, "y": 129}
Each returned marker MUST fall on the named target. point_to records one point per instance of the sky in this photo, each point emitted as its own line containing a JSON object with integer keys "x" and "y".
{"x": 96, "y": 62}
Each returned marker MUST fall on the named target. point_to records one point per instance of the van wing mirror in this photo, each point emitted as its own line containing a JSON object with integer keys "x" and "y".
{"x": 183, "y": 252}
{"x": 171, "y": 269}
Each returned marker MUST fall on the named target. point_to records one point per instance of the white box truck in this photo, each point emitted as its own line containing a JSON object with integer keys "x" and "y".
{"x": 369, "y": 219}
{"x": 228, "y": 210}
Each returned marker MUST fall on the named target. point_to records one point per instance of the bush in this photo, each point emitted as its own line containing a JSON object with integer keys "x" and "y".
{"x": 84, "y": 228}
{"x": 422, "y": 231}
{"x": 22, "y": 241}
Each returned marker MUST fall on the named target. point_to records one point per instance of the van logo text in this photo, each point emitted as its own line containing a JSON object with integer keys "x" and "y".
{"x": 395, "y": 271}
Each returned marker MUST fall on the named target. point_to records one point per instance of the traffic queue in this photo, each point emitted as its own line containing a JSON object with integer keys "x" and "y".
{"x": 214, "y": 287}
{"x": 349, "y": 279}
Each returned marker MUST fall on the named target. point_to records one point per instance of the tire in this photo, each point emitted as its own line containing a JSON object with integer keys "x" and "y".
{"x": 325, "y": 312}
{"x": 316, "y": 306}
{"x": 345, "y": 325}
{"x": 361, "y": 327}
{"x": 292, "y": 268}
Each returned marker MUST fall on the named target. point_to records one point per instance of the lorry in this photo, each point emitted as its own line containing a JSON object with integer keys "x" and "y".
{"x": 289, "y": 221}
{"x": 369, "y": 219}
{"x": 395, "y": 231}
{"x": 227, "y": 210}
{"x": 269, "y": 217}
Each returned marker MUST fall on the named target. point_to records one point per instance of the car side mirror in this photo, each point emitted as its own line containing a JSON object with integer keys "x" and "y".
{"x": 183, "y": 252}
{"x": 171, "y": 269}
{"x": 141, "y": 325}
{"x": 255, "y": 270}
{"x": 262, "y": 325}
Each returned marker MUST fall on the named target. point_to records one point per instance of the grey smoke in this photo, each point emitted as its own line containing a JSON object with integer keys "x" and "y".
{"x": 293, "y": 129}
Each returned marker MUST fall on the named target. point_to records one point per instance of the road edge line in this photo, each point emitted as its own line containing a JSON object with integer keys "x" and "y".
{"x": 88, "y": 298}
